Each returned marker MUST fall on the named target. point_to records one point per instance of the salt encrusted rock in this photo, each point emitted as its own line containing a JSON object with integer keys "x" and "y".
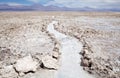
{"x": 55, "y": 55}
{"x": 84, "y": 62}
{"x": 26, "y": 64}
{"x": 8, "y": 72}
{"x": 49, "y": 62}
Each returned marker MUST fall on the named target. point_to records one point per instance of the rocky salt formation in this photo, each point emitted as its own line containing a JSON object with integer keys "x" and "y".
{"x": 49, "y": 62}
{"x": 101, "y": 66}
{"x": 8, "y": 72}
{"x": 26, "y": 64}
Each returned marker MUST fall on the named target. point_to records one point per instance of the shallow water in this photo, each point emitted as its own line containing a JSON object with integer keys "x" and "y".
{"x": 70, "y": 58}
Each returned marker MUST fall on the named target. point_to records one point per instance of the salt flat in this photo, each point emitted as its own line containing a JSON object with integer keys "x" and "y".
{"x": 24, "y": 33}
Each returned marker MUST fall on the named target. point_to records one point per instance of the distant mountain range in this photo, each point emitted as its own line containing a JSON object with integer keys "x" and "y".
{"x": 38, "y": 7}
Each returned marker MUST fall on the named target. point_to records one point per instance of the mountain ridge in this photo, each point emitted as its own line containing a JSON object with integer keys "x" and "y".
{"x": 39, "y": 7}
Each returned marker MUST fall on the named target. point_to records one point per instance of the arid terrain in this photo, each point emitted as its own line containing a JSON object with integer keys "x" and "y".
{"x": 30, "y": 49}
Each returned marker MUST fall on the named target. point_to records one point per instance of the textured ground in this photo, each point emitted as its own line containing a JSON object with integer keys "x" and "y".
{"x": 100, "y": 34}
{"x": 25, "y": 44}
{"x": 24, "y": 33}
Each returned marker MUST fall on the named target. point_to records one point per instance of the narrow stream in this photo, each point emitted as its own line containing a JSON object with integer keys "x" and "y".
{"x": 69, "y": 61}
{"x": 70, "y": 58}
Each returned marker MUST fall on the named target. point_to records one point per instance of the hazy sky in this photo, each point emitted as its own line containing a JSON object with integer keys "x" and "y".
{"x": 68, "y": 3}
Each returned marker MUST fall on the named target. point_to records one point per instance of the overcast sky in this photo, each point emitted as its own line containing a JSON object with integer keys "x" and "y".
{"x": 68, "y": 3}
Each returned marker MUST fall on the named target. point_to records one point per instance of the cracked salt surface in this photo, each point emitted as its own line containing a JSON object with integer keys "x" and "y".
{"x": 70, "y": 58}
